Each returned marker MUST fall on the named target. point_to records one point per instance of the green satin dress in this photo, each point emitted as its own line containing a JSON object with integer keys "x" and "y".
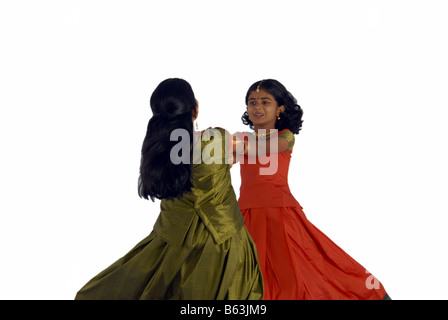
{"x": 199, "y": 247}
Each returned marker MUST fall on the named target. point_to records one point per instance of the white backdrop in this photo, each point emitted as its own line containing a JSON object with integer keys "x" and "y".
{"x": 369, "y": 166}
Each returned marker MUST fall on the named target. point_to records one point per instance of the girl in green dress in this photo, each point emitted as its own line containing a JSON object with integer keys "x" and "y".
{"x": 199, "y": 247}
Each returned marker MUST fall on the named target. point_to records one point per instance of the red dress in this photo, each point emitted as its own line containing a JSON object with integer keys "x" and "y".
{"x": 297, "y": 260}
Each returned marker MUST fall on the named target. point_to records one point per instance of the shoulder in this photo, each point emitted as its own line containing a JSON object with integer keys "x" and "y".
{"x": 215, "y": 131}
{"x": 288, "y": 136}
{"x": 222, "y": 131}
{"x": 214, "y": 145}
{"x": 217, "y": 135}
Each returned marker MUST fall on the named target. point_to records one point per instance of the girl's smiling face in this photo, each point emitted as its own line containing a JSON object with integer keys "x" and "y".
{"x": 263, "y": 110}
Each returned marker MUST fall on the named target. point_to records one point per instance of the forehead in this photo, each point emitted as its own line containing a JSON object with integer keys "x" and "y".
{"x": 262, "y": 94}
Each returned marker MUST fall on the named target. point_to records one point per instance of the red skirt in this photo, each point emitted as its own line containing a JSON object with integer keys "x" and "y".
{"x": 299, "y": 262}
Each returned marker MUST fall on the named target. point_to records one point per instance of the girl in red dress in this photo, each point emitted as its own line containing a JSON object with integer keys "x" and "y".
{"x": 297, "y": 260}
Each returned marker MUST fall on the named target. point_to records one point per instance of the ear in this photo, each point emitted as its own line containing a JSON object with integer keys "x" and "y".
{"x": 282, "y": 108}
{"x": 196, "y": 110}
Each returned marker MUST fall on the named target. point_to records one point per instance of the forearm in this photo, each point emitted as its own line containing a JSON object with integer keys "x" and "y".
{"x": 249, "y": 145}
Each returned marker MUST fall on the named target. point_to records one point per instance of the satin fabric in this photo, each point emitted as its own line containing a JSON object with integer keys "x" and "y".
{"x": 297, "y": 260}
{"x": 199, "y": 247}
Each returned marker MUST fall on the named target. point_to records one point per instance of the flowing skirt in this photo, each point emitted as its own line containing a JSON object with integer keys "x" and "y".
{"x": 298, "y": 261}
{"x": 198, "y": 269}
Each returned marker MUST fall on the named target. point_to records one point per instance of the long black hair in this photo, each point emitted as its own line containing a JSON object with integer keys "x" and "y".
{"x": 172, "y": 104}
{"x": 291, "y": 118}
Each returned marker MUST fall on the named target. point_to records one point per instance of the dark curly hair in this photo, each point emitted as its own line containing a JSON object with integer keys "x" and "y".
{"x": 290, "y": 119}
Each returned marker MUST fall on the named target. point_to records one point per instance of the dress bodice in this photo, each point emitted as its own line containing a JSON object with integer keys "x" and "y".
{"x": 212, "y": 198}
{"x": 264, "y": 181}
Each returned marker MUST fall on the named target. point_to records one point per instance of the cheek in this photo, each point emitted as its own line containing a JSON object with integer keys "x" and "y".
{"x": 271, "y": 110}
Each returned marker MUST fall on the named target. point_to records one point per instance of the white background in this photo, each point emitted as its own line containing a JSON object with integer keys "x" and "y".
{"x": 369, "y": 166}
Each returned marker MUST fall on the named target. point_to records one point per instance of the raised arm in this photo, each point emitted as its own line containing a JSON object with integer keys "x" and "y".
{"x": 244, "y": 144}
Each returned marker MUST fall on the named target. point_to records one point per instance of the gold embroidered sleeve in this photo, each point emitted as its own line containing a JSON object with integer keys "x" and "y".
{"x": 289, "y": 136}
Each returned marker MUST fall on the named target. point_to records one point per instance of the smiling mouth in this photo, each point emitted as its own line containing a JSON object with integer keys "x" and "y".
{"x": 258, "y": 115}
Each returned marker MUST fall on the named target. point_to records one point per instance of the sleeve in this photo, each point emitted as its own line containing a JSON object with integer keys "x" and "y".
{"x": 288, "y": 136}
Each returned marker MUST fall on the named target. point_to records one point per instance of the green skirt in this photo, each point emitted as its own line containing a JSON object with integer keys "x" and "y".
{"x": 197, "y": 269}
